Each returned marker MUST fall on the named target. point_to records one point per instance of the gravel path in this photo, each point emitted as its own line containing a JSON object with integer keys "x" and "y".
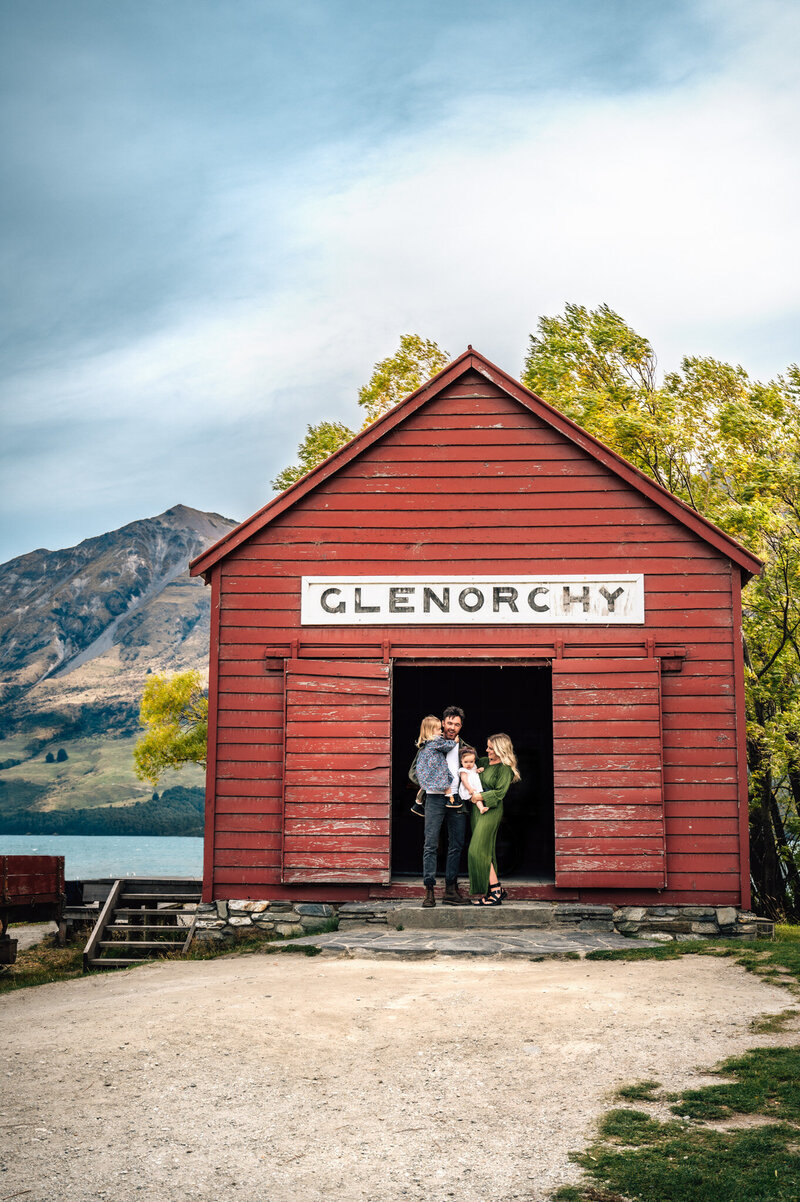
{"x": 31, "y": 934}
{"x": 279, "y": 1078}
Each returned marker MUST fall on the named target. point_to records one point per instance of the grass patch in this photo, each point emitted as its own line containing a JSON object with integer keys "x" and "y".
{"x": 47, "y": 962}
{"x": 98, "y": 773}
{"x": 263, "y": 941}
{"x": 772, "y": 1024}
{"x": 20, "y": 794}
{"x": 42, "y": 964}
{"x": 640, "y": 1091}
{"x": 777, "y": 961}
{"x": 586, "y": 1193}
{"x": 766, "y": 1081}
{"x": 304, "y": 950}
{"x": 331, "y": 925}
{"x": 647, "y": 1160}
{"x": 212, "y": 949}
{"x": 176, "y": 811}
{"x": 640, "y": 1158}
{"x": 664, "y": 951}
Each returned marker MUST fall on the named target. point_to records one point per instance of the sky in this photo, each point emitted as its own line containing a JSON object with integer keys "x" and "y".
{"x": 216, "y": 217}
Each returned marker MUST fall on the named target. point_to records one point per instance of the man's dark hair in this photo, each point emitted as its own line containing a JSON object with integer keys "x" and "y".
{"x": 454, "y": 711}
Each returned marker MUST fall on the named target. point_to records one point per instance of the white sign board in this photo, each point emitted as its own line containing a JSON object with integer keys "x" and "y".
{"x": 472, "y": 600}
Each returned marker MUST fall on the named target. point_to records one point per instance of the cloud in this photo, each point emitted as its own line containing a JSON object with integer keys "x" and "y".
{"x": 663, "y": 182}
{"x": 676, "y": 208}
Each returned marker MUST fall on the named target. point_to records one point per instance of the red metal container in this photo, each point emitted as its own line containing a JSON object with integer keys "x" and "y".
{"x": 31, "y": 889}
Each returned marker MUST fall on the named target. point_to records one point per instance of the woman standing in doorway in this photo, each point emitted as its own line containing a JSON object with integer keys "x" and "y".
{"x": 499, "y": 772}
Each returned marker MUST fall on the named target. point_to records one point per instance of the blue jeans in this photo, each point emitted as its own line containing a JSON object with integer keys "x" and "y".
{"x": 435, "y": 814}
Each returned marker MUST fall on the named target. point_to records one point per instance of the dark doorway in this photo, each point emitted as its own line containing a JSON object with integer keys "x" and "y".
{"x": 516, "y": 700}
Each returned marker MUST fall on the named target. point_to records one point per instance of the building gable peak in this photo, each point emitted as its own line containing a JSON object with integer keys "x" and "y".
{"x": 467, "y": 362}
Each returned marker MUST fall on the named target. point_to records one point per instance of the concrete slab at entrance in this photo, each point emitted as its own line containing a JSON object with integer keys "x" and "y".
{"x": 369, "y": 942}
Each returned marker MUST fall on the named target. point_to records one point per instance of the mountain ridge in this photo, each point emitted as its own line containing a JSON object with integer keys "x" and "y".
{"x": 81, "y": 629}
{"x": 60, "y": 609}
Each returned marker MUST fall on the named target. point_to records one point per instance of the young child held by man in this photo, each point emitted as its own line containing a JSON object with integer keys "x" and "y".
{"x": 469, "y": 776}
{"x": 432, "y": 771}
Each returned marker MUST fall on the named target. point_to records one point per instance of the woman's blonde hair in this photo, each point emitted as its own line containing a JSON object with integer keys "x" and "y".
{"x": 430, "y": 728}
{"x": 504, "y": 750}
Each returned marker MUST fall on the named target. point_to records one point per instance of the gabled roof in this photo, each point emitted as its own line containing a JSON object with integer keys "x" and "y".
{"x": 380, "y": 429}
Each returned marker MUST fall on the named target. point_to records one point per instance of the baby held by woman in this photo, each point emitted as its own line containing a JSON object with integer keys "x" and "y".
{"x": 469, "y": 776}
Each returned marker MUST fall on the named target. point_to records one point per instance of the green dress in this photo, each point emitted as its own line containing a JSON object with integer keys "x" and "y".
{"x": 495, "y": 780}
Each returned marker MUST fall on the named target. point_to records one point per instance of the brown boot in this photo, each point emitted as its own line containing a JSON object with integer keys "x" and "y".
{"x": 452, "y": 895}
{"x": 430, "y": 900}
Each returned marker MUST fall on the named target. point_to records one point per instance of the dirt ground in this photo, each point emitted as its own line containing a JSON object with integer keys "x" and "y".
{"x": 282, "y": 1077}
{"x": 27, "y": 935}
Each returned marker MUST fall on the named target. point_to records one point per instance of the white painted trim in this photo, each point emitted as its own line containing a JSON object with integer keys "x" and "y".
{"x": 472, "y": 600}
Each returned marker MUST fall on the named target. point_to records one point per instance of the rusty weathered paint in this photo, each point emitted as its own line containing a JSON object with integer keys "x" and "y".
{"x": 587, "y": 740}
{"x": 331, "y": 699}
{"x": 31, "y": 888}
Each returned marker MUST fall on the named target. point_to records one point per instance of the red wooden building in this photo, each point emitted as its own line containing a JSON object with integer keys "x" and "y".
{"x": 475, "y": 547}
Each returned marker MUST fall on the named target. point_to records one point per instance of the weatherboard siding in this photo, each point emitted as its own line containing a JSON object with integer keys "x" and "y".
{"x": 473, "y": 483}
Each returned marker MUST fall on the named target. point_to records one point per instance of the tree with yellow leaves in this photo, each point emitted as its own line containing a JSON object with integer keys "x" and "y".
{"x": 415, "y": 361}
{"x": 174, "y": 714}
{"x": 729, "y": 447}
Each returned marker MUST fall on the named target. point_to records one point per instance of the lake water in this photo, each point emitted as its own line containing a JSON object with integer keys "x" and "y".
{"x": 90, "y": 856}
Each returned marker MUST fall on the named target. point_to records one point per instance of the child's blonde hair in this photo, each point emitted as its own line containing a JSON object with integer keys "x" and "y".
{"x": 504, "y": 750}
{"x": 430, "y": 728}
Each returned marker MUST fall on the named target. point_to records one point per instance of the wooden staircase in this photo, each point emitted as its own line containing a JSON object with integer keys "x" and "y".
{"x": 141, "y": 920}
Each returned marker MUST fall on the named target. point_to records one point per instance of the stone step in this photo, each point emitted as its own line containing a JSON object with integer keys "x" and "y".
{"x": 518, "y": 916}
{"x": 464, "y": 918}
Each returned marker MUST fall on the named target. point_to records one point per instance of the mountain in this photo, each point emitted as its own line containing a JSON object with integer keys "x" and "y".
{"x": 62, "y": 609}
{"x": 80, "y": 630}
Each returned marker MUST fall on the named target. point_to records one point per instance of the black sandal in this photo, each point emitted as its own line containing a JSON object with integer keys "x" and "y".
{"x": 493, "y": 897}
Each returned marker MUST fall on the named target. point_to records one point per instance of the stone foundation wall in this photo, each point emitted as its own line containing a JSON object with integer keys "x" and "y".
{"x": 227, "y": 920}
{"x": 230, "y": 919}
{"x": 691, "y": 922}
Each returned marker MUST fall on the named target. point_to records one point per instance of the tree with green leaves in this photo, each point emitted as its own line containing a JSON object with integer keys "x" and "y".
{"x": 174, "y": 714}
{"x": 416, "y": 360}
{"x": 320, "y": 442}
{"x": 729, "y": 447}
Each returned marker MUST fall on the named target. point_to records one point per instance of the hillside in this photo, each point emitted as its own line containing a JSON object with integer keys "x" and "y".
{"x": 80, "y": 631}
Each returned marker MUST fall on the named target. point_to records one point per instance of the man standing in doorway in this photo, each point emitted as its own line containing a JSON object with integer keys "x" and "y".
{"x": 435, "y": 812}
